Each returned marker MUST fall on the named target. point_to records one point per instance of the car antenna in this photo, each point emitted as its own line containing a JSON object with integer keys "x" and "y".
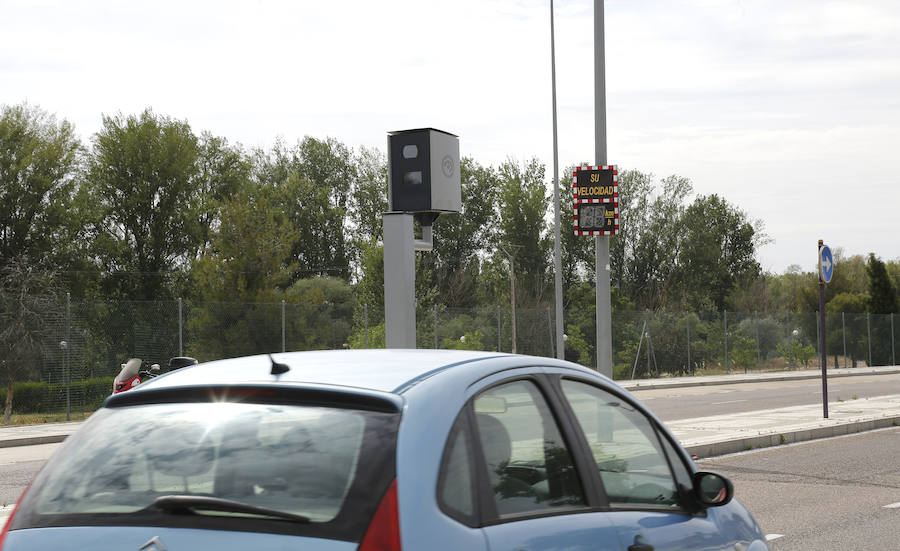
{"x": 277, "y": 368}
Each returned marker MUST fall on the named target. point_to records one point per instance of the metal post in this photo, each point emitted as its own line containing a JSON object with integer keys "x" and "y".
{"x": 557, "y": 242}
{"x": 844, "y": 337}
{"x": 550, "y": 328}
{"x": 869, "y": 338}
{"x": 893, "y": 357}
{"x": 601, "y": 243}
{"x": 499, "y": 329}
{"x": 366, "y": 325}
{"x": 756, "y": 330}
{"x": 67, "y": 363}
{"x": 180, "y": 328}
{"x": 399, "y": 281}
{"x": 689, "y": 365}
{"x": 821, "y": 326}
{"x": 434, "y": 324}
{"x": 512, "y": 298}
{"x": 725, "y": 319}
{"x": 283, "y": 330}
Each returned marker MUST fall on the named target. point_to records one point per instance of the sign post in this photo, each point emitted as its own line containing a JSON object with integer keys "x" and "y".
{"x": 826, "y": 270}
{"x": 596, "y": 205}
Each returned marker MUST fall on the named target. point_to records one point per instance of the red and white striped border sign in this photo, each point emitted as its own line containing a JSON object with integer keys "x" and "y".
{"x": 615, "y": 223}
{"x": 615, "y": 170}
{"x": 614, "y": 199}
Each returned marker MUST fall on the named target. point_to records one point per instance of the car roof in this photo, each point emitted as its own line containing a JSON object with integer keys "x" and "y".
{"x": 383, "y": 370}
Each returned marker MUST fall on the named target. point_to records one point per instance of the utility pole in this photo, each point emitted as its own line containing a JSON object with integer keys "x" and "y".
{"x": 601, "y": 242}
{"x": 557, "y": 242}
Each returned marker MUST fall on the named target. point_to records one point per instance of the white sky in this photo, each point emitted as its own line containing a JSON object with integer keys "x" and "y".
{"x": 788, "y": 109}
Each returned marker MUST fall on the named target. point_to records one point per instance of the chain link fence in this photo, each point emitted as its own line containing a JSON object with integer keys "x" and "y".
{"x": 84, "y": 342}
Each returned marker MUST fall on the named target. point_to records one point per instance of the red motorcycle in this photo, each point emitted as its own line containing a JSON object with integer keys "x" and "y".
{"x": 132, "y": 375}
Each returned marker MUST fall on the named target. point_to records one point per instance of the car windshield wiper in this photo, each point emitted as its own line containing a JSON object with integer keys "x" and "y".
{"x": 191, "y": 504}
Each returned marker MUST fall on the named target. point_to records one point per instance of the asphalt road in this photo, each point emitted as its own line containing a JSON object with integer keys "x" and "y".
{"x": 705, "y": 401}
{"x": 836, "y": 494}
{"x": 18, "y": 466}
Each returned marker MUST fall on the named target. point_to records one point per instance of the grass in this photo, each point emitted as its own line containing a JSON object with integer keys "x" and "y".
{"x": 40, "y": 418}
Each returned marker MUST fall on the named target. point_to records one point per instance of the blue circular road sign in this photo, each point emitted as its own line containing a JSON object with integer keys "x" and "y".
{"x": 826, "y": 264}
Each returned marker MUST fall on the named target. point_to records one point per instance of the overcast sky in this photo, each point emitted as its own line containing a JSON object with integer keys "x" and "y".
{"x": 788, "y": 109}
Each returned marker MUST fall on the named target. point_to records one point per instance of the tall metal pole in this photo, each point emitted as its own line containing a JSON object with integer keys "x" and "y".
{"x": 557, "y": 243}
{"x": 601, "y": 242}
{"x": 822, "y": 340}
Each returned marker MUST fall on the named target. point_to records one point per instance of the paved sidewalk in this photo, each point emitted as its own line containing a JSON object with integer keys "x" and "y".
{"x": 722, "y": 434}
{"x": 30, "y": 435}
{"x": 737, "y": 378}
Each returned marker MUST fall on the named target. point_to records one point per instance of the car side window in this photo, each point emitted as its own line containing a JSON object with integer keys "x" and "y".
{"x": 456, "y": 481}
{"x": 530, "y": 469}
{"x": 625, "y": 446}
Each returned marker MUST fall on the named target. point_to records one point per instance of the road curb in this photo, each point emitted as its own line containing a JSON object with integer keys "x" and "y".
{"x": 33, "y": 440}
{"x": 724, "y": 447}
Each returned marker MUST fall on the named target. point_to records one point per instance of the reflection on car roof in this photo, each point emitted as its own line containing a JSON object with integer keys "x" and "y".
{"x": 383, "y": 370}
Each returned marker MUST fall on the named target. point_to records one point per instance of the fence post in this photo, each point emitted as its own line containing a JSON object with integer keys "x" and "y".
{"x": 552, "y": 334}
{"x": 67, "y": 363}
{"x": 366, "y": 325}
{"x": 756, "y": 331}
{"x": 434, "y": 313}
{"x": 283, "y": 330}
{"x": 869, "y": 338}
{"x": 725, "y": 317}
{"x": 689, "y": 365}
{"x": 818, "y": 338}
{"x": 499, "y": 329}
{"x": 844, "y": 337}
{"x": 893, "y": 357}
{"x": 180, "y": 329}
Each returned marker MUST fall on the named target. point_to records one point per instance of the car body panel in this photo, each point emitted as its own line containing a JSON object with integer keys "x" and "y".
{"x": 566, "y": 532}
{"x": 139, "y": 538}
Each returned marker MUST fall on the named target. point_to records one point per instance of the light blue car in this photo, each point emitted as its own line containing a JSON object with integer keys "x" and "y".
{"x": 377, "y": 450}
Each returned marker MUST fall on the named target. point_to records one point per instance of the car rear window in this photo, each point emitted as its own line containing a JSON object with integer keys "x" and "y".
{"x": 311, "y": 461}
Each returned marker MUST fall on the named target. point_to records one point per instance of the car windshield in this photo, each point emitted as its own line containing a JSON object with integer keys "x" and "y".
{"x": 296, "y": 459}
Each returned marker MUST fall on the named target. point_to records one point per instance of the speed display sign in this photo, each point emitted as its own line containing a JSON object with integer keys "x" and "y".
{"x": 596, "y": 200}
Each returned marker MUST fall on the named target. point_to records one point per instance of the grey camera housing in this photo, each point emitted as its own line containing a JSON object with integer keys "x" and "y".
{"x": 423, "y": 171}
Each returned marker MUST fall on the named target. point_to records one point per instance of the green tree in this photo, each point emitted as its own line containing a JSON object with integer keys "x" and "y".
{"x": 248, "y": 261}
{"x": 851, "y": 329}
{"x": 882, "y": 302}
{"x": 223, "y": 170}
{"x": 38, "y": 161}
{"x": 28, "y": 308}
{"x": 142, "y": 176}
{"x": 523, "y": 204}
{"x": 460, "y": 238}
{"x": 718, "y": 253}
{"x": 317, "y": 176}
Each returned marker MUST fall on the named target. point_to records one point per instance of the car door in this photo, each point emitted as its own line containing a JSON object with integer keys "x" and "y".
{"x": 645, "y": 481}
{"x": 532, "y": 497}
